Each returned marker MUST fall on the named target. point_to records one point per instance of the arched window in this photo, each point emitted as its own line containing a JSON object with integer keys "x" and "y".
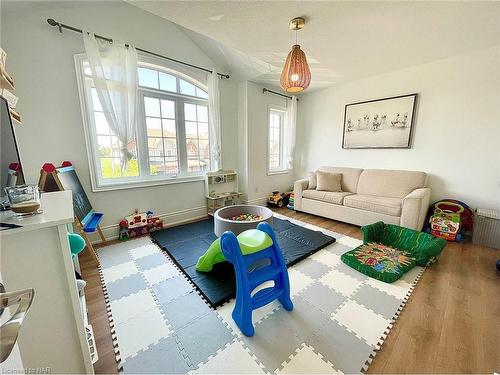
{"x": 172, "y": 140}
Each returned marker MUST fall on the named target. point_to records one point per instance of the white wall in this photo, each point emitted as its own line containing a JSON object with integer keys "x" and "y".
{"x": 41, "y": 62}
{"x": 253, "y": 137}
{"x": 457, "y": 126}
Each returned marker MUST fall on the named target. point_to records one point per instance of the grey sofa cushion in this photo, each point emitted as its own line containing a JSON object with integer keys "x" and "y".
{"x": 328, "y": 181}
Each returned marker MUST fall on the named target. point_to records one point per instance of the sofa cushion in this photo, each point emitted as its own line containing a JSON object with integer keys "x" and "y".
{"x": 336, "y": 197}
{"x": 382, "y": 205}
{"x": 311, "y": 176}
{"x": 350, "y": 177}
{"x": 390, "y": 183}
{"x": 328, "y": 181}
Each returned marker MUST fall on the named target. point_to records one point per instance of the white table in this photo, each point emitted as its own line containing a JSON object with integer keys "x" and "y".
{"x": 37, "y": 255}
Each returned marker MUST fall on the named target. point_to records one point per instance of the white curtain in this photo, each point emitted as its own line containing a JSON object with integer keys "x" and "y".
{"x": 291, "y": 117}
{"x": 214, "y": 120}
{"x": 114, "y": 72}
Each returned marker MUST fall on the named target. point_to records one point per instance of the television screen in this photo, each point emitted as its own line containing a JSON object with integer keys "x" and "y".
{"x": 10, "y": 162}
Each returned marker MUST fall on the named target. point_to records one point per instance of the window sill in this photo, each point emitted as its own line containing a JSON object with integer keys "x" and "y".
{"x": 147, "y": 183}
{"x": 277, "y": 172}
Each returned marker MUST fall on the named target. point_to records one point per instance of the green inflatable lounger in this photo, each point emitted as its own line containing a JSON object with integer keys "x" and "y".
{"x": 389, "y": 251}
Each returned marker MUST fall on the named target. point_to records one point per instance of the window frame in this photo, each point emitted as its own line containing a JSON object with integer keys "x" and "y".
{"x": 89, "y": 125}
{"x": 283, "y": 169}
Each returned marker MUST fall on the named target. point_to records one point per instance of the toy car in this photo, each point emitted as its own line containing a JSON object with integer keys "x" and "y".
{"x": 278, "y": 199}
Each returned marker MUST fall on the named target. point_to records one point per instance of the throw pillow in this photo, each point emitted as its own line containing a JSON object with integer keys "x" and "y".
{"x": 312, "y": 180}
{"x": 328, "y": 181}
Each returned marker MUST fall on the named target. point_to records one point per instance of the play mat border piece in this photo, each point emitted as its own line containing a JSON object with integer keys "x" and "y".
{"x": 111, "y": 322}
{"x": 397, "y": 314}
{"x": 363, "y": 370}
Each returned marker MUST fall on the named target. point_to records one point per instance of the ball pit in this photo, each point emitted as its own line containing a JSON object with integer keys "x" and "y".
{"x": 239, "y": 218}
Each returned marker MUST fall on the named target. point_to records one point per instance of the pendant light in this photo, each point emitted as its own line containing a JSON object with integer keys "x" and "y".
{"x": 296, "y": 75}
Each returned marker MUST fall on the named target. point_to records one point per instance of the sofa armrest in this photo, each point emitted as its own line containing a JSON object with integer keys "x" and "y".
{"x": 414, "y": 210}
{"x": 298, "y": 187}
{"x": 372, "y": 232}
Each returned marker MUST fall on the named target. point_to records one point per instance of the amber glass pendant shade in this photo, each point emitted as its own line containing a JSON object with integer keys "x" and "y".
{"x": 296, "y": 75}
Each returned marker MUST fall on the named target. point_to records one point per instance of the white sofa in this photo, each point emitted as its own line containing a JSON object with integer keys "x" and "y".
{"x": 369, "y": 195}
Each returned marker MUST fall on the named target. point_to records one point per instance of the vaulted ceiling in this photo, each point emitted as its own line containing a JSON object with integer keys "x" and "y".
{"x": 343, "y": 40}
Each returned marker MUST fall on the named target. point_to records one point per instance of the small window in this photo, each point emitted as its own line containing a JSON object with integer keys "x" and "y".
{"x": 276, "y": 147}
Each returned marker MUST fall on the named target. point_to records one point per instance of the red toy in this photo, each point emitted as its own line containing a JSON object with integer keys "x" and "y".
{"x": 139, "y": 224}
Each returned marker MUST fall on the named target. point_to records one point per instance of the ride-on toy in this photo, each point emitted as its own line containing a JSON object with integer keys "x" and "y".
{"x": 449, "y": 220}
{"x": 278, "y": 199}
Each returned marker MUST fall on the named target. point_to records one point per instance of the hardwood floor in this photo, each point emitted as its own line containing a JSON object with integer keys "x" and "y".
{"x": 451, "y": 323}
{"x": 97, "y": 314}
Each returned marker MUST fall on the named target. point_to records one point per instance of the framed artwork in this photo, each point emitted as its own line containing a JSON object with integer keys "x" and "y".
{"x": 380, "y": 123}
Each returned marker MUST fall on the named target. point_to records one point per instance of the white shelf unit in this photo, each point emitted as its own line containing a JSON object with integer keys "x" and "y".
{"x": 54, "y": 331}
{"x": 221, "y": 189}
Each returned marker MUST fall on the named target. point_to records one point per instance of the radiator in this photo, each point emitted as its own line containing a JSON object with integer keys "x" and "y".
{"x": 486, "y": 228}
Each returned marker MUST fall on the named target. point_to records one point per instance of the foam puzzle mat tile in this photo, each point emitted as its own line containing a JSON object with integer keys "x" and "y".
{"x": 224, "y": 313}
{"x": 340, "y": 282}
{"x": 109, "y": 257}
{"x": 363, "y": 322}
{"x": 151, "y": 261}
{"x": 307, "y": 361}
{"x": 326, "y": 257}
{"x": 184, "y": 309}
{"x": 140, "y": 332}
{"x": 398, "y": 289}
{"x": 163, "y": 357}
{"x": 312, "y": 268}
{"x": 298, "y": 281}
{"x": 232, "y": 359}
{"x": 345, "y": 351}
{"x": 338, "y": 248}
{"x": 203, "y": 337}
{"x": 323, "y": 298}
{"x": 143, "y": 251}
{"x": 170, "y": 289}
{"x": 119, "y": 271}
{"x": 350, "y": 242}
{"x": 133, "y": 305}
{"x": 125, "y": 286}
{"x": 349, "y": 271}
{"x": 160, "y": 273}
{"x": 376, "y": 300}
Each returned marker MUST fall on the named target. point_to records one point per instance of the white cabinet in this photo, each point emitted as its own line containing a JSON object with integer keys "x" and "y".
{"x": 37, "y": 255}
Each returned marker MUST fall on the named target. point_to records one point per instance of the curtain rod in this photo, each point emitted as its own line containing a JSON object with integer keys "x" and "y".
{"x": 264, "y": 90}
{"x": 61, "y": 26}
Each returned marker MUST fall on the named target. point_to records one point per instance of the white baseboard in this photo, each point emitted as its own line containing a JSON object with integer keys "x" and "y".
{"x": 169, "y": 219}
{"x": 258, "y": 201}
